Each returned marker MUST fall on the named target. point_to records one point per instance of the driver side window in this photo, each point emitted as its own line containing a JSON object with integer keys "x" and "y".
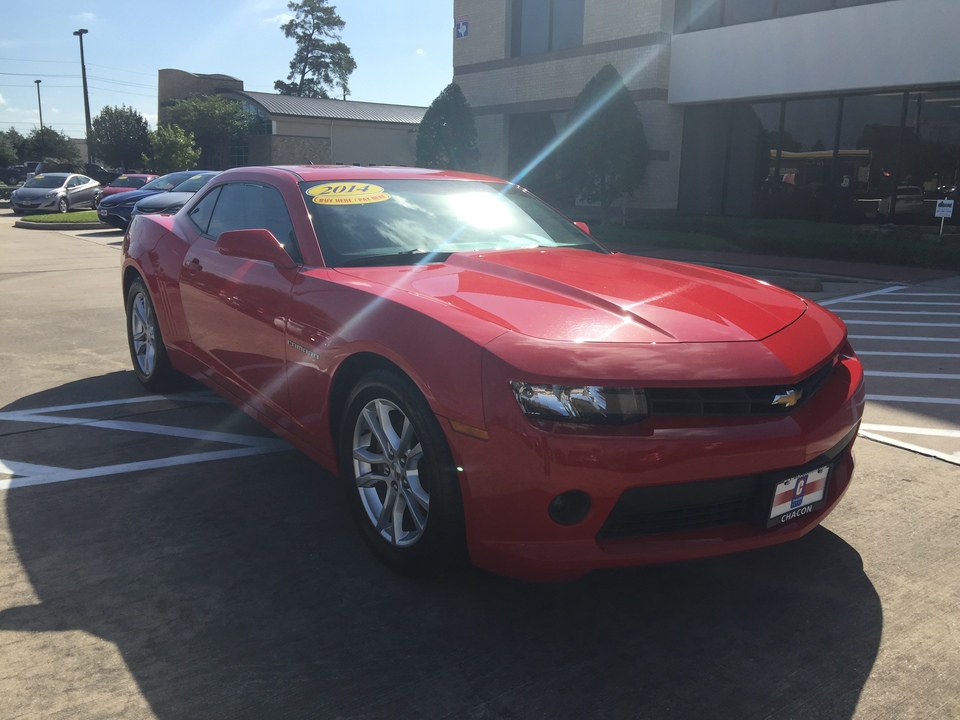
{"x": 242, "y": 206}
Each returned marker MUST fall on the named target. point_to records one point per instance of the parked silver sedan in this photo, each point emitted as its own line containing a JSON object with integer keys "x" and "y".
{"x": 56, "y": 192}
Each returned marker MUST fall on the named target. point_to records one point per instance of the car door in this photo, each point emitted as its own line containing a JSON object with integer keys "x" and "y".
{"x": 236, "y": 308}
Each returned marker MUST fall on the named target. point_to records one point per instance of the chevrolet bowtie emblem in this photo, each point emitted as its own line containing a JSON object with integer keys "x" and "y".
{"x": 788, "y": 399}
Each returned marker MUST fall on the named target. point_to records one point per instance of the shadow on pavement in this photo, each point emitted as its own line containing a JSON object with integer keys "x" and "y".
{"x": 239, "y": 589}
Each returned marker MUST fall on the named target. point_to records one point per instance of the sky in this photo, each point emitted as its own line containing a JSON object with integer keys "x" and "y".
{"x": 403, "y": 50}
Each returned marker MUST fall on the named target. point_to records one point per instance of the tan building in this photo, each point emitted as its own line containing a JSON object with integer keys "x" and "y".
{"x": 793, "y": 108}
{"x": 292, "y": 130}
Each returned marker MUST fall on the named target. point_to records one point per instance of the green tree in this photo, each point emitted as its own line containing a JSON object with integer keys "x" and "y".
{"x": 120, "y": 137}
{"x": 8, "y": 154}
{"x": 216, "y": 123}
{"x": 606, "y": 153}
{"x": 447, "y": 137}
{"x": 322, "y": 61}
{"x": 51, "y": 145}
{"x": 18, "y": 143}
{"x": 173, "y": 149}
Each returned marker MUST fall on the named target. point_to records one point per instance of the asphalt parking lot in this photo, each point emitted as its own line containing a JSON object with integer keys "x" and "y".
{"x": 164, "y": 557}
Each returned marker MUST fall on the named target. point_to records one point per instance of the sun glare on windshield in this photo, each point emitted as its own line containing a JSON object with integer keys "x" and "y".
{"x": 481, "y": 210}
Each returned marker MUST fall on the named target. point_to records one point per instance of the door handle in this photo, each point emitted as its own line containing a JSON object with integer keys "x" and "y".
{"x": 193, "y": 266}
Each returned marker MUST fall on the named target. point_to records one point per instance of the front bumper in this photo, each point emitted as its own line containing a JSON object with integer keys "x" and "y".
{"x": 509, "y": 481}
{"x": 29, "y": 206}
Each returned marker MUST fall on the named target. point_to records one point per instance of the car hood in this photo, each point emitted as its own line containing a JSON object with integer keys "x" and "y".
{"x": 164, "y": 200}
{"x": 583, "y": 296}
{"x": 128, "y": 198}
{"x": 34, "y": 193}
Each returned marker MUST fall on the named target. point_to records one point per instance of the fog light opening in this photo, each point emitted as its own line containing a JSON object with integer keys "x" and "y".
{"x": 569, "y": 508}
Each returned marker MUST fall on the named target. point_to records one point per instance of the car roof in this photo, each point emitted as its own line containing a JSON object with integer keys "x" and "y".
{"x": 312, "y": 173}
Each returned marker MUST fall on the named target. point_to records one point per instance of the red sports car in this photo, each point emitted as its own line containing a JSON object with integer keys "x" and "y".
{"x": 128, "y": 182}
{"x": 488, "y": 380}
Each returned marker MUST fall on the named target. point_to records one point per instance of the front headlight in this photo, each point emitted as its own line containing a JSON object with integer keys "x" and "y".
{"x": 581, "y": 403}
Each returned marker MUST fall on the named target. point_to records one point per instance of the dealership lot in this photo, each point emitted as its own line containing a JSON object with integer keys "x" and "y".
{"x": 165, "y": 557}
{"x": 909, "y": 341}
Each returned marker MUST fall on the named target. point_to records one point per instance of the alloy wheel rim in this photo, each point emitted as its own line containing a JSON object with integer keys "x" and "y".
{"x": 387, "y": 456}
{"x": 143, "y": 333}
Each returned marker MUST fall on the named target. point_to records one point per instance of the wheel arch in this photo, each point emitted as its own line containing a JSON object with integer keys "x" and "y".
{"x": 348, "y": 374}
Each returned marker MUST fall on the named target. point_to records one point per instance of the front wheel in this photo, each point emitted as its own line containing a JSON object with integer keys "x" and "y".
{"x": 150, "y": 361}
{"x": 399, "y": 476}
{"x": 62, "y": 205}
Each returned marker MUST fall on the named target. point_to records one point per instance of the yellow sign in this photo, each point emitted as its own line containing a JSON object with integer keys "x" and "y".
{"x": 347, "y": 193}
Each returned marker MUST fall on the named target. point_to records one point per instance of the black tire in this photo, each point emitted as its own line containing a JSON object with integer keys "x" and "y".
{"x": 417, "y": 466}
{"x": 147, "y": 351}
{"x": 13, "y": 179}
{"x": 62, "y": 205}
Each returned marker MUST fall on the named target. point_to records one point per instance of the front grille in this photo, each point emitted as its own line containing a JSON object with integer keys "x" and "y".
{"x": 664, "y": 509}
{"x": 759, "y": 400}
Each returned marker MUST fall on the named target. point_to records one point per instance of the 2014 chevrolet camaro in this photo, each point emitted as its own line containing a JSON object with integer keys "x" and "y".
{"x": 487, "y": 380}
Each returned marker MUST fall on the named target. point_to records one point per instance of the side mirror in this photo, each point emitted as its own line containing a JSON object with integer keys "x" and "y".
{"x": 254, "y": 244}
{"x": 583, "y": 226}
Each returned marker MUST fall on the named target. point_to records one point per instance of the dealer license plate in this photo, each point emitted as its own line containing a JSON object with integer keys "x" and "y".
{"x": 798, "y": 496}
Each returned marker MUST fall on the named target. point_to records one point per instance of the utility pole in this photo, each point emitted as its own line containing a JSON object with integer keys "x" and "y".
{"x": 86, "y": 97}
{"x": 40, "y": 108}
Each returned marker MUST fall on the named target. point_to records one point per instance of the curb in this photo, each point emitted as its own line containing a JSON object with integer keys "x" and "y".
{"x": 27, "y": 225}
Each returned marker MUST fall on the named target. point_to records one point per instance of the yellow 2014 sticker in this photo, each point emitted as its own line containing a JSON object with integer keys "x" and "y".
{"x": 347, "y": 193}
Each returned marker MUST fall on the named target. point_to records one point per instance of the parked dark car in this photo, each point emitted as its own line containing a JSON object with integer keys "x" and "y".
{"x": 16, "y": 174}
{"x": 170, "y": 202}
{"x": 115, "y": 210}
{"x": 55, "y": 192}
{"x": 128, "y": 182}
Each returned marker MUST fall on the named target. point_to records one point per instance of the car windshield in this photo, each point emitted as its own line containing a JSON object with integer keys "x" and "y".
{"x": 128, "y": 182}
{"x": 45, "y": 181}
{"x": 193, "y": 183}
{"x": 408, "y": 221}
{"x": 168, "y": 182}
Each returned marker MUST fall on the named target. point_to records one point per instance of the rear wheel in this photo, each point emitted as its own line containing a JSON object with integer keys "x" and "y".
{"x": 150, "y": 361}
{"x": 399, "y": 476}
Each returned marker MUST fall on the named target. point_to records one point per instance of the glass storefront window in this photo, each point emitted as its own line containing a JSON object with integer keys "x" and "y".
{"x": 736, "y": 161}
{"x": 786, "y": 8}
{"x": 744, "y": 11}
{"x": 542, "y": 26}
{"x": 694, "y": 15}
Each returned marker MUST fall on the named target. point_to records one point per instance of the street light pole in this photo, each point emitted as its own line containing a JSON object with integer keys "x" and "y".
{"x": 86, "y": 97}
{"x": 40, "y": 108}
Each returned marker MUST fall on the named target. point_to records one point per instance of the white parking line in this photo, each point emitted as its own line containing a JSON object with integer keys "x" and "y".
{"x": 922, "y": 313}
{"x": 902, "y": 324}
{"x": 946, "y": 457}
{"x": 29, "y": 474}
{"x": 872, "y": 293}
{"x": 901, "y": 338}
{"x": 913, "y": 399}
{"x": 910, "y": 430}
{"x": 913, "y": 375}
{"x": 890, "y": 353}
{"x": 896, "y": 301}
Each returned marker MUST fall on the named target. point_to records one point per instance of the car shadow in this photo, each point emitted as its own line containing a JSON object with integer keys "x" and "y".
{"x": 239, "y": 588}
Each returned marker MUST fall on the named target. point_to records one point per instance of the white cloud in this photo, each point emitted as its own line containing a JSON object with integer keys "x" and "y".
{"x": 421, "y": 52}
{"x": 278, "y": 20}
{"x": 3, "y": 100}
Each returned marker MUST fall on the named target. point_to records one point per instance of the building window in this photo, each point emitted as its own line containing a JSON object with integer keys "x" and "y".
{"x": 826, "y": 158}
{"x": 736, "y": 12}
{"x": 693, "y": 15}
{"x": 542, "y": 26}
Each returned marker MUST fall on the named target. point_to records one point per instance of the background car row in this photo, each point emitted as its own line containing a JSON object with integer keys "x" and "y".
{"x": 56, "y": 192}
{"x": 175, "y": 188}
